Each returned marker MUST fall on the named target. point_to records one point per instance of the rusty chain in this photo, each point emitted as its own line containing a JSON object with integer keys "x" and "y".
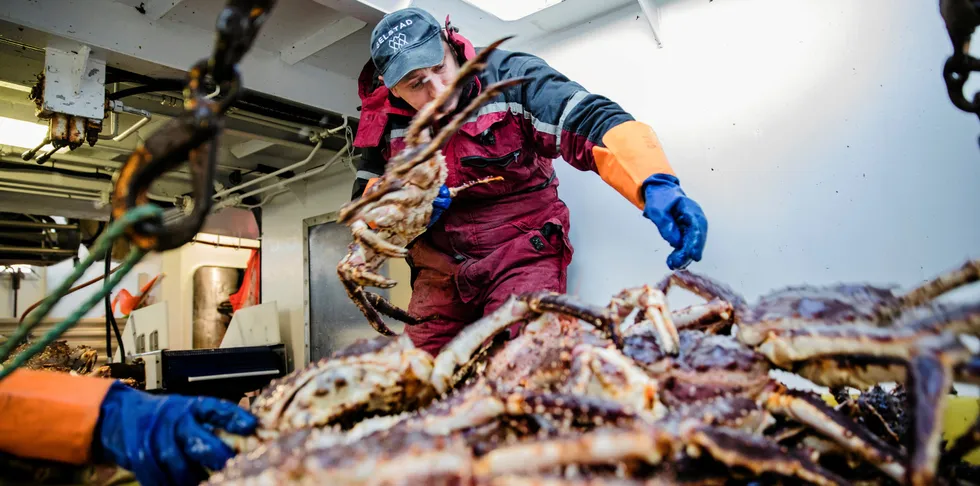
{"x": 962, "y": 17}
{"x": 193, "y": 135}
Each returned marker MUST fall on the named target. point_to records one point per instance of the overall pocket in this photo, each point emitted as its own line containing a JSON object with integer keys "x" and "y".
{"x": 488, "y": 148}
{"x": 532, "y": 244}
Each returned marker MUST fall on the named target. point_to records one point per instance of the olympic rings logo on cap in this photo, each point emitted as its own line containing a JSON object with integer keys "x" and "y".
{"x": 398, "y": 41}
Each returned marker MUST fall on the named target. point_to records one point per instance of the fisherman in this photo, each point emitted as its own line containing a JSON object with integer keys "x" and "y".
{"x": 508, "y": 237}
{"x": 166, "y": 439}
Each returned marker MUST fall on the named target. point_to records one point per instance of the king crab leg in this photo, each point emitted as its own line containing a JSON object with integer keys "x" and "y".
{"x": 653, "y": 307}
{"x": 783, "y": 347}
{"x": 931, "y": 371}
{"x": 513, "y": 310}
{"x": 524, "y": 480}
{"x": 370, "y": 239}
{"x": 393, "y": 311}
{"x": 714, "y": 317}
{"x": 705, "y": 288}
{"x": 420, "y": 150}
{"x": 652, "y": 445}
{"x": 359, "y": 296}
{"x": 453, "y": 191}
{"x": 928, "y": 364}
{"x": 816, "y": 414}
{"x": 428, "y": 150}
{"x": 434, "y": 110}
{"x": 607, "y": 373}
{"x": 925, "y": 293}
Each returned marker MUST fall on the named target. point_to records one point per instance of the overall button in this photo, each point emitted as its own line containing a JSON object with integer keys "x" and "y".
{"x": 537, "y": 243}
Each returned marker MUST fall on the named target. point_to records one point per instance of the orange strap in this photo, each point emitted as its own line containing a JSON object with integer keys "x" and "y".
{"x": 371, "y": 181}
{"x": 50, "y": 415}
{"x": 632, "y": 153}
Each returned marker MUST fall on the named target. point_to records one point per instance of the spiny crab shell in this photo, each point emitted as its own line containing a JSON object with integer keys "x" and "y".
{"x": 368, "y": 378}
{"x": 580, "y": 390}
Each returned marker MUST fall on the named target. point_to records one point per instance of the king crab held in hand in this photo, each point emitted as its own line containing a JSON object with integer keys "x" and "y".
{"x": 397, "y": 208}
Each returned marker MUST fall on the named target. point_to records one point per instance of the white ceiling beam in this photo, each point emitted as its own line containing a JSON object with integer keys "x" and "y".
{"x": 335, "y": 30}
{"x": 652, "y": 12}
{"x": 156, "y": 9}
{"x": 119, "y": 28}
{"x": 358, "y": 9}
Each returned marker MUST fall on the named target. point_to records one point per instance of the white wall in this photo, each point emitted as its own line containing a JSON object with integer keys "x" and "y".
{"x": 149, "y": 266}
{"x": 816, "y": 134}
{"x": 47, "y": 279}
{"x": 31, "y": 289}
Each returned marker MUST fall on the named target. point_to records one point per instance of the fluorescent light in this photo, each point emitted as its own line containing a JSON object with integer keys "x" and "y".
{"x": 15, "y": 268}
{"x": 509, "y": 10}
{"x": 19, "y": 133}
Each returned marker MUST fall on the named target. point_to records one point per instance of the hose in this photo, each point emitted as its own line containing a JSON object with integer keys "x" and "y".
{"x": 110, "y": 315}
{"x": 73, "y": 289}
{"x": 115, "y": 230}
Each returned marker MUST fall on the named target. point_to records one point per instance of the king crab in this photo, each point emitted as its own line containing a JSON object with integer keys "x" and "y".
{"x": 575, "y": 369}
{"x": 59, "y": 356}
{"x": 859, "y": 335}
{"x": 397, "y": 208}
{"x": 389, "y": 375}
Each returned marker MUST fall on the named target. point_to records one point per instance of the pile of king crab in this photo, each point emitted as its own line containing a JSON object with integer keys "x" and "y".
{"x": 632, "y": 392}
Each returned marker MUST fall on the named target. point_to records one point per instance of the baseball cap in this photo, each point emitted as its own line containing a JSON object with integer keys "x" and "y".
{"x": 405, "y": 40}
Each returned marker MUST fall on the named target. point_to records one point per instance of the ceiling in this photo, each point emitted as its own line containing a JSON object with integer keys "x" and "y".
{"x": 305, "y": 59}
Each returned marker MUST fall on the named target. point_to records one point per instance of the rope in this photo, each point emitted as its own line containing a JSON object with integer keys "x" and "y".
{"x": 115, "y": 230}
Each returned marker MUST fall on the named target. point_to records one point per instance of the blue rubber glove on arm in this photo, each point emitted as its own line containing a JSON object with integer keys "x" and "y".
{"x": 680, "y": 220}
{"x": 440, "y": 204}
{"x": 629, "y": 154}
{"x": 166, "y": 439}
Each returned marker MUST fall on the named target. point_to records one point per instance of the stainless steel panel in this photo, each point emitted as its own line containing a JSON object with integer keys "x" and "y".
{"x": 212, "y": 286}
{"x": 334, "y": 320}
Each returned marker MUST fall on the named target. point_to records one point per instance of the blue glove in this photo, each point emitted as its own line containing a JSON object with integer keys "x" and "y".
{"x": 440, "y": 204}
{"x": 166, "y": 439}
{"x": 679, "y": 219}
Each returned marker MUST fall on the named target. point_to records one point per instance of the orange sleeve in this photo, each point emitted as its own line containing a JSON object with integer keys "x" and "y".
{"x": 50, "y": 415}
{"x": 631, "y": 154}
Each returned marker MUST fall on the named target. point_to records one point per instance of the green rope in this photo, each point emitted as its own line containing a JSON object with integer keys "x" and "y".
{"x": 114, "y": 231}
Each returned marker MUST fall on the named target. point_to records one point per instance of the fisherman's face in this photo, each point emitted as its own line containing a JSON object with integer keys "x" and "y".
{"x": 423, "y": 85}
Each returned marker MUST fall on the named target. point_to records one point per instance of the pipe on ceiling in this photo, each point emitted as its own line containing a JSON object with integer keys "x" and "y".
{"x": 43, "y": 193}
{"x": 39, "y": 251}
{"x": 236, "y": 199}
{"x": 36, "y": 225}
{"x": 270, "y": 175}
{"x": 53, "y": 190}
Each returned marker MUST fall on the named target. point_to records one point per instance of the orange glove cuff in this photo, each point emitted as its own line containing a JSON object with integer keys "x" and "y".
{"x": 370, "y": 183}
{"x": 632, "y": 153}
{"x": 50, "y": 415}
